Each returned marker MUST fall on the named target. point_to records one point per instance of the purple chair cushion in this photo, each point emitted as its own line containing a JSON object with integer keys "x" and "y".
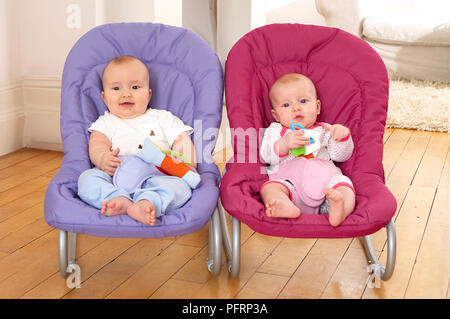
{"x": 352, "y": 84}
{"x": 186, "y": 78}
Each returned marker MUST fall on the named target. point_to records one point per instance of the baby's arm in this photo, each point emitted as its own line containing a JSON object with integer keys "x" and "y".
{"x": 269, "y": 154}
{"x": 340, "y": 144}
{"x": 184, "y": 145}
{"x": 100, "y": 153}
{"x": 274, "y": 148}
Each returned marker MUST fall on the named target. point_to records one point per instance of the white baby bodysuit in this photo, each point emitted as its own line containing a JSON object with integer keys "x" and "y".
{"x": 160, "y": 126}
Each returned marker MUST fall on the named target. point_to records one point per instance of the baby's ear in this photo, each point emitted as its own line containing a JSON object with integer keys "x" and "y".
{"x": 274, "y": 114}
{"x": 318, "y": 106}
{"x": 103, "y": 95}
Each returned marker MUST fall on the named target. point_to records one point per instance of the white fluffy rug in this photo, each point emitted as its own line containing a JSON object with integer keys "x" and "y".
{"x": 419, "y": 105}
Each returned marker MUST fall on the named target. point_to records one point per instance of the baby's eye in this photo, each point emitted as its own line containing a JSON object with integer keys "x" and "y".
{"x": 135, "y": 87}
{"x": 116, "y": 88}
{"x": 286, "y": 104}
{"x": 303, "y": 101}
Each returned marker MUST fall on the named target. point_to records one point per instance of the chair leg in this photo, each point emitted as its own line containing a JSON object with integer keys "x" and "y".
{"x": 67, "y": 250}
{"x": 232, "y": 245}
{"x": 383, "y": 272}
{"x": 62, "y": 249}
{"x": 236, "y": 242}
{"x": 214, "y": 262}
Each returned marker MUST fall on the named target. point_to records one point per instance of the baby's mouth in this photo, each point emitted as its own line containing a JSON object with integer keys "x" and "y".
{"x": 299, "y": 118}
{"x": 126, "y": 104}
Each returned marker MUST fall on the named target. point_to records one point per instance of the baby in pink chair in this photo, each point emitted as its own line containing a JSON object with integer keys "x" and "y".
{"x": 300, "y": 184}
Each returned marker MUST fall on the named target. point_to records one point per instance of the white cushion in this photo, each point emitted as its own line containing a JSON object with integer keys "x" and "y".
{"x": 408, "y": 29}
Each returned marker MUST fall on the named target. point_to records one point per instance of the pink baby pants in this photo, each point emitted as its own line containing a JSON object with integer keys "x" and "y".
{"x": 309, "y": 177}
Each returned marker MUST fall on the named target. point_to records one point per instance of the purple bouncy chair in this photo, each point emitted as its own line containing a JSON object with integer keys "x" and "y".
{"x": 186, "y": 78}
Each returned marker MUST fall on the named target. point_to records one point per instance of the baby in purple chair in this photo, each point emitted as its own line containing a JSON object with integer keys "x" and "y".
{"x": 124, "y": 129}
{"x": 299, "y": 184}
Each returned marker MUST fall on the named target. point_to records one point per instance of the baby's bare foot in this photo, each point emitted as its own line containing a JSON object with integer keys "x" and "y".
{"x": 279, "y": 208}
{"x": 142, "y": 211}
{"x": 115, "y": 206}
{"x": 336, "y": 211}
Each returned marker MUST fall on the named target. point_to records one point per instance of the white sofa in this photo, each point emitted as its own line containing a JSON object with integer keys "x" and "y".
{"x": 411, "y": 36}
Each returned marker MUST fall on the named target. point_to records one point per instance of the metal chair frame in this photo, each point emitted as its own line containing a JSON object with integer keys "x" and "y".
{"x": 233, "y": 247}
{"x": 68, "y": 244}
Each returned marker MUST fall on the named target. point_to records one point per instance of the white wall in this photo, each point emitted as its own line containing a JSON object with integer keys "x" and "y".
{"x": 200, "y": 16}
{"x": 48, "y": 30}
{"x": 12, "y": 115}
{"x": 46, "y": 36}
{"x": 9, "y": 39}
{"x": 162, "y": 11}
{"x": 237, "y": 17}
{"x": 233, "y": 21}
{"x": 120, "y": 11}
{"x": 293, "y": 11}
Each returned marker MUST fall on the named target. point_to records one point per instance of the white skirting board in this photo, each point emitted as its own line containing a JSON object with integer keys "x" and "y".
{"x": 42, "y": 99}
{"x": 29, "y": 114}
{"x": 12, "y": 116}
{"x": 11, "y": 134}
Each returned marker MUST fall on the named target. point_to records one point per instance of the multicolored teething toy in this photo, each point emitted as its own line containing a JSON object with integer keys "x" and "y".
{"x": 302, "y": 149}
{"x": 151, "y": 153}
{"x": 135, "y": 170}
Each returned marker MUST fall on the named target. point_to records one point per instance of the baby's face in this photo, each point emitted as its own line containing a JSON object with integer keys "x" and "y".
{"x": 126, "y": 89}
{"x": 295, "y": 102}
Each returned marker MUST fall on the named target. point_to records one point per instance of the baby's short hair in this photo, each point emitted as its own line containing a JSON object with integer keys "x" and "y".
{"x": 289, "y": 78}
{"x": 124, "y": 58}
{"x": 121, "y": 60}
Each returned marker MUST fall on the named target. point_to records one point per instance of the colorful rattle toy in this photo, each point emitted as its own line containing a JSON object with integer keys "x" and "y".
{"x": 150, "y": 153}
{"x": 304, "y": 149}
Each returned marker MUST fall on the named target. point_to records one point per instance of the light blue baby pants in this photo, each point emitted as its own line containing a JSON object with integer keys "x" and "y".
{"x": 164, "y": 192}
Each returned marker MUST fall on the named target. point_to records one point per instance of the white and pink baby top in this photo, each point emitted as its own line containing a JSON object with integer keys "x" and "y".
{"x": 331, "y": 150}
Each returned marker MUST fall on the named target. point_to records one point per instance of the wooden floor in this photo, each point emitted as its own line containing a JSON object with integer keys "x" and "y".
{"x": 417, "y": 166}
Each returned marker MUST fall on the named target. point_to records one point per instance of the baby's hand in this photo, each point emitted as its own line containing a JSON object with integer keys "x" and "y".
{"x": 338, "y": 132}
{"x": 109, "y": 162}
{"x": 295, "y": 139}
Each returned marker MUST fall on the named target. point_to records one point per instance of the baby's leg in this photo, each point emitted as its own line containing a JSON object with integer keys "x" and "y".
{"x": 158, "y": 195}
{"x": 342, "y": 203}
{"x": 275, "y": 196}
{"x": 142, "y": 211}
{"x": 95, "y": 187}
{"x": 116, "y": 206}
